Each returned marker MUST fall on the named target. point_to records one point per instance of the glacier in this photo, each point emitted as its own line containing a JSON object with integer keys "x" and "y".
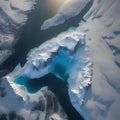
{"x": 41, "y": 60}
{"x": 101, "y": 27}
{"x": 99, "y": 43}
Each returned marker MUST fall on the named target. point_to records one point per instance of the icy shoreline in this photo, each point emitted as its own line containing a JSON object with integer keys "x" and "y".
{"x": 38, "y": 57}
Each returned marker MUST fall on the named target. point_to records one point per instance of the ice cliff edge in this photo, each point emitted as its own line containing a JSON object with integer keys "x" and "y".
{"x": 39, "y": 61}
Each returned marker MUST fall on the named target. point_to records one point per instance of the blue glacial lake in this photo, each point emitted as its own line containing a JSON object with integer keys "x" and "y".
{"x": 62, "y": 65}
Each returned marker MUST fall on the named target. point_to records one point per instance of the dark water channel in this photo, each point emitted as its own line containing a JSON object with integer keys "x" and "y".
{"x": 60, "y": 89}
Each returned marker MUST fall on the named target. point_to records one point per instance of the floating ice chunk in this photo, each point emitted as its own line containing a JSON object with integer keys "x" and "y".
{"x": 69, "y": 9}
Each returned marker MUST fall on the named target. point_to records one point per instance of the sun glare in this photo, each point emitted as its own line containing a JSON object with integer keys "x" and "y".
{"x": 54, "y": 4}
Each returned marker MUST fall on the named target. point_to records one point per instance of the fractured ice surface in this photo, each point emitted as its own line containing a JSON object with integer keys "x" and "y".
{"x": 102, "y": 22}
{"x": 66, "y": 56}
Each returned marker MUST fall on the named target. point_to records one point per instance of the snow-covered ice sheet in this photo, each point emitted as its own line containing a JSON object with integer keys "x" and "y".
{"x": 102, "y": 28}
{"x": 102, "y": 44}
{"x": 39, "y": 60}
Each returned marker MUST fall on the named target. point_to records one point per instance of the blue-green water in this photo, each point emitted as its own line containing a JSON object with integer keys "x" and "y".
{"x": 22, "y": 80}
{"x": 72, "y": 28}
{"x": 62, "y": 65}
{"x": 31, "y": 85}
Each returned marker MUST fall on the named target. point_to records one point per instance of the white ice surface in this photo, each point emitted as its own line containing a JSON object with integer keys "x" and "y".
{"x": 37, "y": 58}
{"x": 102, "y": 31}
{"x": 69, "y": 9}
{"x": 102, "y": 22}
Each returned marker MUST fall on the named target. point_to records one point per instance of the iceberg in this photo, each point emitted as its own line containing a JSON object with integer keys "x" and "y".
{"x": 66, "y": 57}
{"x": 69, "y": 9}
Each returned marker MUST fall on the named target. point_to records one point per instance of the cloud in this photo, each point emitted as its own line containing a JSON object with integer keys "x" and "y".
{"x": 16, "y": 9}
{"x": 13, "y": 14}
{"x": 69, "y": 9}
